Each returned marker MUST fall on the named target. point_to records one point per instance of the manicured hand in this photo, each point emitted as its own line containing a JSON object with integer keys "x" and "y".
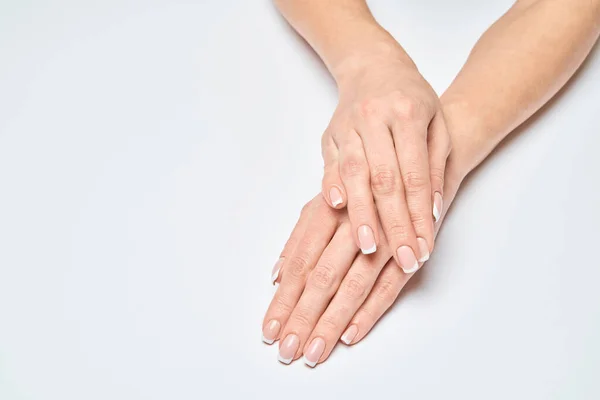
{"x": 328, "y": 290}
{"x": 385, "y": 152}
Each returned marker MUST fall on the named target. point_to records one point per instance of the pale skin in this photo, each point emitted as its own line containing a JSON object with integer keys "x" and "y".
{"x": 386, "y": 146}
{"x": 327, "y": 291}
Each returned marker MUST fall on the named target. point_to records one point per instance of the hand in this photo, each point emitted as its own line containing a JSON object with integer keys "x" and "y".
{"x": 385, "y": 152}
{"x": 327, "y": 292}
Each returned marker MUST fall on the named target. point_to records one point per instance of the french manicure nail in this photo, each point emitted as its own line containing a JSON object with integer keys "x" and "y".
{"x": 288, "y": 349}
{"x": 314, "y": 352}
{"x": 407, "y": 259}
{"x": 271, "y": 331}
{"x": 438, "y": 206}
{"x": 350, "y": 334}
{"x": 335, "y": 196}
{"x": 366, "y": 240}
{"x": 276, "y": 269}
{"x": 423, "y": 250}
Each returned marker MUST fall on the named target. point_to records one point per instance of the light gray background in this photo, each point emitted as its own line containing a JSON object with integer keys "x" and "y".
{"x": 154, "y": 156}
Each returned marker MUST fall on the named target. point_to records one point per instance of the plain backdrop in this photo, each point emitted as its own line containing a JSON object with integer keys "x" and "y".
{"x": 154, "y": 157}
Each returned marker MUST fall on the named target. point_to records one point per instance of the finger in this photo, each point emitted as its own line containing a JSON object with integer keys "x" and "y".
{"x": 352, "y": 292}
{"x": 332, "y": 186}
{"x": 291, "y": 243}
{"x": 388, "y": 190}
{"x": 386, "y": 289}
{"x": 354, "y": 171}
{"x": 410, "y": 136}
{"x": 317, "y": 234}
{"x": 439, "y": 147}
{"x": 321, "y": 285}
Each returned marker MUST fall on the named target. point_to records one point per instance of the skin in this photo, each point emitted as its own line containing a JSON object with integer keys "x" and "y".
{"x": 386, "y": 145}
{"x": 518, "y": 64}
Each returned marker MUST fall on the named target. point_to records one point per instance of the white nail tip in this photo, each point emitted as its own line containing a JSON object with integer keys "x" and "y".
{"x": 436, "y": 213}
{"x": 346, "y": 340}
{"x": 283, "y": 360}
{"x": 309, "y": 363}
{"x": 411, "y": 270}
{"x": 424, "y": 258}
{"x": 370, "y": 250}
{"x": 336, "y": 203}
{"x": 267, "y": 341}
{"x": 275, "y": 276}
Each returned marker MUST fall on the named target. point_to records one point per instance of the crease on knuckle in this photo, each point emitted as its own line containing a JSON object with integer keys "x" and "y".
{"x": 384, "y": 181}
{"x": 301, "y": 318}
{"x": 385, "y": 291}
{"x": 437, "y": 177}
{"x": 298, "y": 266}
{"x": 352, "y": 167}
{"x": 323, "y": 276}
{"x": 358, "y": 207}
{"x": 419, "y": 221}
{"x": 414, "y": 182}
{"x": 282, "y": 305}
{"x": 354, "y": 287}
{"x": 397, "y": 230}
{"x": 329, "y": 322}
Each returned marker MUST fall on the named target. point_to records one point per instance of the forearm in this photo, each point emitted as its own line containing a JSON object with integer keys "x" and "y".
{"x": 517, "y": 66}
{"x": 342, "y": 32}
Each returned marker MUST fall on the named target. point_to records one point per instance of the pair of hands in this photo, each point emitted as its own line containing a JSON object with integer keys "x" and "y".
{"x": 385, "y": 153}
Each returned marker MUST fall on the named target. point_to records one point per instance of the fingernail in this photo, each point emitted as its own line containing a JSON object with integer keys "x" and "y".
{"x": 366, "y": 240}
{"x": 350, "y": 334}
{"x": 423, "y": 250}
{"x": 335, "y": 196}
{"x": 314, "y": 352}
{"x": 407, "y": 259}
{"x": 271, "y": 331}
{"x": 288, "y": 349}
{"x": 275, "y": 271}
{"x": 438, "y": 206}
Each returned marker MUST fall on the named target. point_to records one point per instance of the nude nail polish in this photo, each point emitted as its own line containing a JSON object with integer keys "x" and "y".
{"x": 408, "y": 261}
{"x": 423, "y": 250}
{"x": 314, "y": 352}
{"x": 288, "y": 349}
{"x": 350, "y": 334}
{"x": 270, "y": 331}
{"x": 438, "y": 206}
{"x": 366, "y": 240}
{"x": 335, "y": 196}
{"x": 276, "y": 269}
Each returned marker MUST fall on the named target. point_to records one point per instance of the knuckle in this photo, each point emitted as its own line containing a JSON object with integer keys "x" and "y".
{"x": 355, "y": 287}
{"x": 419, "y": 220}
{"x": 437, "y": 177}
{"x": 301, "y": 318}
{"x": 368, "y": 108}
{"x": 358, "y": 207}
{"x": 385, "y": 292}
{"x": 352, "y": 166}
{"x": 323, "y": 276}
{"x": 397, "y": 230}
{"x": 414, "y": 182}
{"x": 282, "y": 305}
{"x": 384, "y": 181}
{"x": 329, "y": 322}
{"x": 406, "y": 109}
{"x": 298, "y": 266}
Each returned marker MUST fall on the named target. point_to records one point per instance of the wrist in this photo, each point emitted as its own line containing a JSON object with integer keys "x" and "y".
{"x": 470, "y": 144}
{"x": 373, "y": 49}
